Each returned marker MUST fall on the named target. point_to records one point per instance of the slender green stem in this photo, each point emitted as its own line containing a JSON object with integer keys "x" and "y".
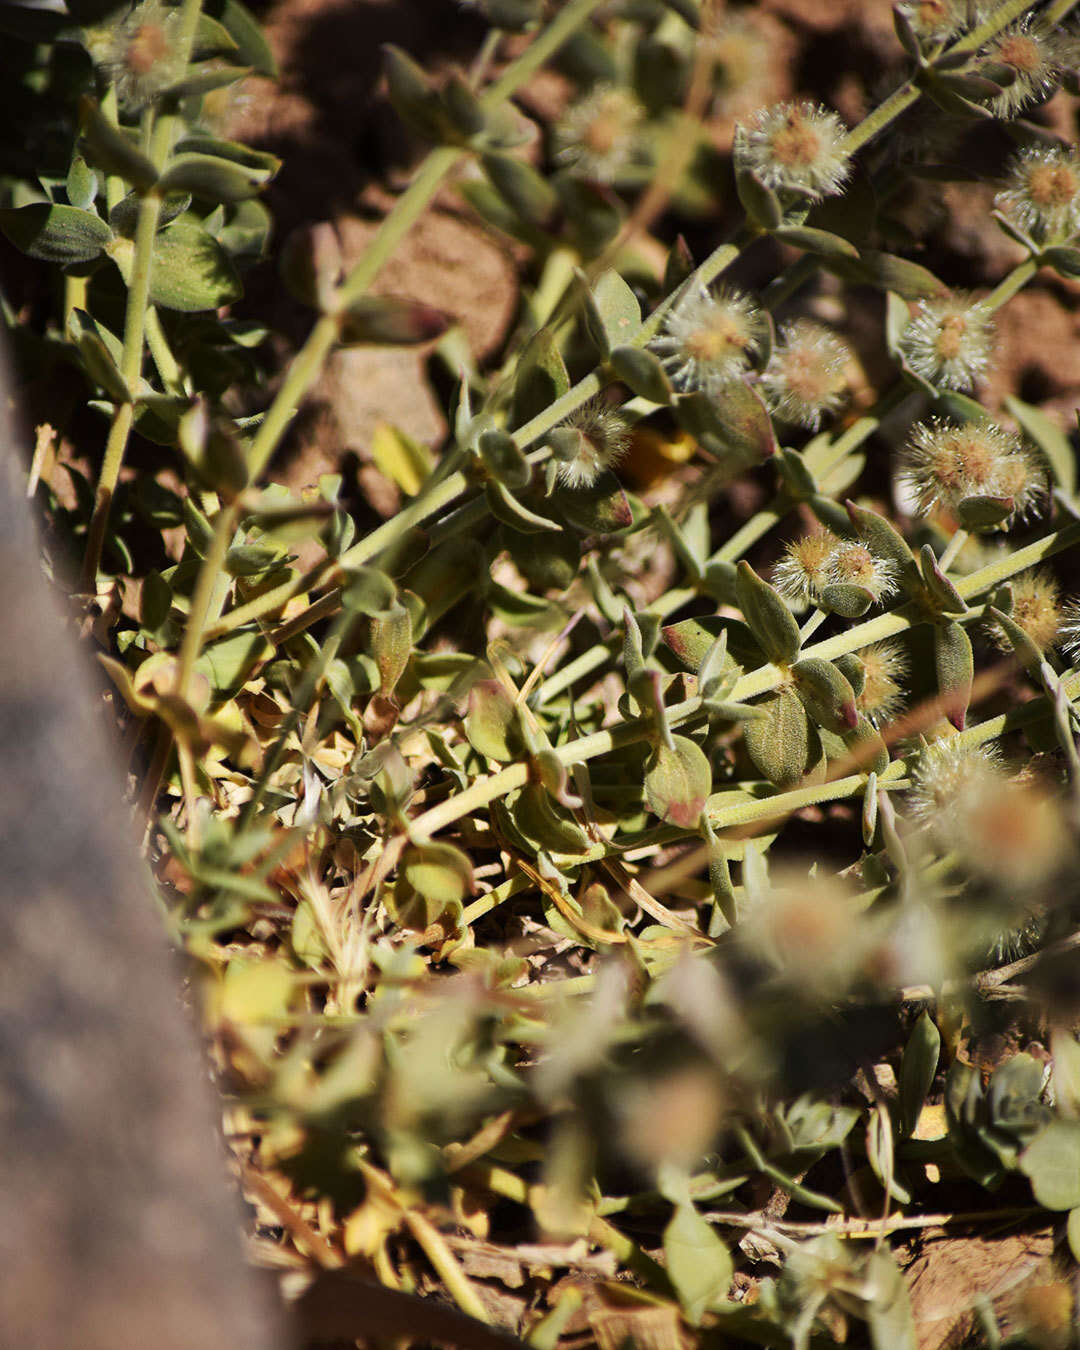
{"x": 955, "y": 544}
{"x": 1008, "y": 286}
{"x": 203, "y": 597}
{"x": 131, "y": 370}
{"x": 898, "y": 102}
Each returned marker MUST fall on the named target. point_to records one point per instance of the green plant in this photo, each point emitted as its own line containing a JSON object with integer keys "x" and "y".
{"x": 474, "y": 739}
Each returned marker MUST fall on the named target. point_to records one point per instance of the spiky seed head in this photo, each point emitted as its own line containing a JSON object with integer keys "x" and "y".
{"x": 1037, "y": 609}
{"x": 597, "y": 137}
{"x": 795, "y": 147}
{"x": 885, "y": 667}
{"x": 1035, "y": 53}
{"x": 599, "y": 443}
{"x": 804, "y": 571}
{"x": 943, "y": 464}
{"x": 948, "y": 341}
{"x": 805, "y": 378}
{"x": 1042, "y": 193}
{"x": 708, "y": 339}
{"x": 853, "y": 564}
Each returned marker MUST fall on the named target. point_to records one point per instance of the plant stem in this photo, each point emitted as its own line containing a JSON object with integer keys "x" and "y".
{"x": 955, "y": 544}
{"x": 1009, "y": 285}
{"x": 138, "y": 299}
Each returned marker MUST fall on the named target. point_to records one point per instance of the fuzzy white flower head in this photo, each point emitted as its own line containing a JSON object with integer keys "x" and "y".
{"x": 947, "y": 778}
{"x": 885, "y": 667}
{"x": 944, "y": 464}
{"x": 804, "y": 571}
{"x": 1034, "y": 53}
{"x": 138, "y": 52}
{"x": 797, "y": 147}
{"x": 1043, "y": 193}
{"x": 590, "y": 441}
{"x": 805, "y": 378}
{"x": 1036, "y": 609}
{"x": 948, "y": 341}
{"x": 709, "y": 339}
{"x": 597, "y": 137}
{"x": 852, "y": 564}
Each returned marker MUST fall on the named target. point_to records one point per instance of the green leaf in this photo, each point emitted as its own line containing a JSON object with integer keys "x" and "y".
{"x": 124, "y": 216}
{"x": 391, "y": 645}
{"x": 692, "y": 639}
{"x": 758, "y": 200}
{"x": 524, "y": 190}
{"x": 769, "y": 619}
{"x": 1072, "y": 1231}
{"x": 503, "y": 457}
{"x": 984, "y": 513}
{"x": 891, "y": 1321}
{"x": 947, "y": 599}
{"x": 401, "y": 458}
{"x": 101, "y": 354}
{"x": 917, "y": 1070}
{"x": 736, "y": 429}
{"x": 1066, "y": 1052}
{"x": 1050, "y": 439}
{"x": 432, "y": 881}
{"x": 541, "y": 378}
{"x": 369, "y": 591}
{"x": 677, "y": 782}
{"x": 612, "y": 313}
{"x": 826, "y": 694}
{"x": 190, "y": 270}
{"x": 492, "y": 723}
{"x": 783, "y": 744}
{"x": 228, "y": 662}
{"x": 56, "y": 234}
{"x": 1052, "y": 1163}
{"x": 641, "y": 371}
{"x": 850, "y": 602}
{"x": 82, "y": 184}
{"x": 245, "y": 30}
{"x": 888, "y": 273}
{"x": 155, "y": 601}
{"x": 602, "y": 508}
{"x": 823, "y": 243}
{"x": 236, "y": 152}
{"x": 955, "y": 666}
{"x": 213, "y": 178}
{"x": 697, "y": 1262}
{"x": 506, "y": 508}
